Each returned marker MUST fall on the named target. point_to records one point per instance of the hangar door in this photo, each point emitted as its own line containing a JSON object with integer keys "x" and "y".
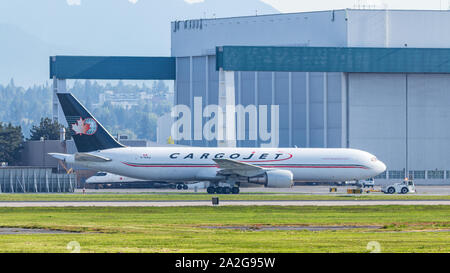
{"x": 404, "y": 119}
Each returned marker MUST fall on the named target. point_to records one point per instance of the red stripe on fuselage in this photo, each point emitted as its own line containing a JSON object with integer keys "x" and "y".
{"x": 264, "y": 166}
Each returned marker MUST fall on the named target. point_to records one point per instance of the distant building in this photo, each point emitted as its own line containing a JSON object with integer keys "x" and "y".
{"x": 35, "y": 153}
{"x": 124, "y": 100}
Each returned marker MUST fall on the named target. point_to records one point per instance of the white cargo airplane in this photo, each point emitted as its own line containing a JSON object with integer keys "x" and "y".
{"x": 271, "y": 167}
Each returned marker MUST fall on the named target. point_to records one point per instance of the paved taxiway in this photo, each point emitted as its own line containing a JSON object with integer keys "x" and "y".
{"x": 222, "y": 203}
{"x": 321, "y": 190}
{"x": 441, "y": 190}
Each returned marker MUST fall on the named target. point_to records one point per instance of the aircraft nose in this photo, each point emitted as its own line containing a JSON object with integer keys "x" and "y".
{"x": 381, "y": 167}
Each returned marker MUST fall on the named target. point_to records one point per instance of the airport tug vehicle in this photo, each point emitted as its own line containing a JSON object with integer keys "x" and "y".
{"x": 404, "y": 187}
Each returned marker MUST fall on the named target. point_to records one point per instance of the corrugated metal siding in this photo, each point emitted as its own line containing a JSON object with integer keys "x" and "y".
{"x": 299, "y": 109}
{"x": 300, "y": 119}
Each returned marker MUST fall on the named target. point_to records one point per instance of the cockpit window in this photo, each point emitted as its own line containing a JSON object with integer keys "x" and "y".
{"x": 100, "y": 174}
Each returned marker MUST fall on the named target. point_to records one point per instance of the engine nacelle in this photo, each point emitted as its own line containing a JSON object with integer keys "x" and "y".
{"x": 274, "y": 179}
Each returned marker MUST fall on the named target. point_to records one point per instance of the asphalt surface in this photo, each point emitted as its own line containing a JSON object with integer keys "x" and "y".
{"x": 322, "y": 190}
{"x": 311, "y": 190}
{"x": 221, "y": 203}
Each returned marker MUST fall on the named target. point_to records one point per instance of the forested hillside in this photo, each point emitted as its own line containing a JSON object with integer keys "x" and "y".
{"x": 26, "y": 106}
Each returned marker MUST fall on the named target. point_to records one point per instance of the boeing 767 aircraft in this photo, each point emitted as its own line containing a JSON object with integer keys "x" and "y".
{"x": 271, "y": 167}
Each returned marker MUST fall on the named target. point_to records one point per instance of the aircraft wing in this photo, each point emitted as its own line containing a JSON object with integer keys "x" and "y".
{"x": 229, "y": 166}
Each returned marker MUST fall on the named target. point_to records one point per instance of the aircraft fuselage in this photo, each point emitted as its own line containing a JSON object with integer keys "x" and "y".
{"x": 196, "y": 164}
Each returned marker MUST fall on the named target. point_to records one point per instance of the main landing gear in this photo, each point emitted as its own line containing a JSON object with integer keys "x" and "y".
{"x": 222, "y": 190}
{"x": 182, "y": 187}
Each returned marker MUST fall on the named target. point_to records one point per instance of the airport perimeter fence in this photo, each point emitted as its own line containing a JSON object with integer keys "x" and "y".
{"x": 33, "y": 180}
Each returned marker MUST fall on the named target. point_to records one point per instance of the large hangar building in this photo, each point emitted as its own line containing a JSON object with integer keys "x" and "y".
{"x": 401, "y": 114}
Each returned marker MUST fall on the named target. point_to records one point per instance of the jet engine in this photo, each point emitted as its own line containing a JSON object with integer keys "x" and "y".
{"x": 274, "y": 179}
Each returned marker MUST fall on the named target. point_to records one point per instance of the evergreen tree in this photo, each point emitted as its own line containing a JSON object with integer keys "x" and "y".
{"x": 48, "y": 129}
{"x": 160, "y": 89}
{"x": 147, "y": 126}
{"x": 11, "y": 143}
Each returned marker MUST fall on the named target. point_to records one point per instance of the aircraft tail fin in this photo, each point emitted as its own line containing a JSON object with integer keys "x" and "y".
{"x": 88, "y": 134}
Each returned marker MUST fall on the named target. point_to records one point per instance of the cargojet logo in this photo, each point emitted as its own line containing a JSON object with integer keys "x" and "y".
{"x": 86, "y": 126}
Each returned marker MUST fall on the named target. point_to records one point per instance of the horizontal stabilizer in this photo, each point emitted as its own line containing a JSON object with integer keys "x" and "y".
{"x": 63, "y": 157}
{"x": 69, "y": 158}
{"x": 91, "y": 158}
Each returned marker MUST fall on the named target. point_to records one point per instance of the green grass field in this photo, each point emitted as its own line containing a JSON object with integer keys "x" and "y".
{"x": 182, "y": 229}
{"x": 202, "y": 196}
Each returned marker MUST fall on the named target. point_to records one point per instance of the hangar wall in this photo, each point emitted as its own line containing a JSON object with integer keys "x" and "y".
{"x": 200, "y": 37}
{"x": 404, "y": 120}
{"x": 398, "y": 28}
{"x": 310, "y": 104}
{"x": 338, "y": 28}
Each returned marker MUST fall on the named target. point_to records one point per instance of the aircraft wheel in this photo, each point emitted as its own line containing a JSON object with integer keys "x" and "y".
{"x": 179, "y": 187}
{"x": 226, "y": 190}
{"x": 185, "y": 187}
{"x": 235, "y": 190}
{"x": 219, "y": 190}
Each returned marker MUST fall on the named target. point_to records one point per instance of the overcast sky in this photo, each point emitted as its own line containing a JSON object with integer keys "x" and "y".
{"x": 311, "y": 5}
